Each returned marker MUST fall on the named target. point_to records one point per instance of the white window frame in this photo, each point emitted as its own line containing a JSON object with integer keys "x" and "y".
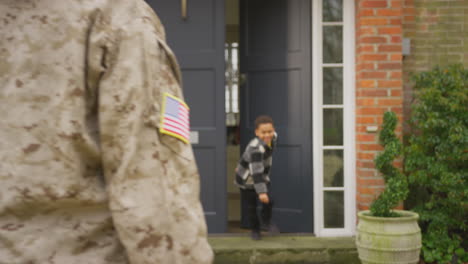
{"x": 348, "y": 106}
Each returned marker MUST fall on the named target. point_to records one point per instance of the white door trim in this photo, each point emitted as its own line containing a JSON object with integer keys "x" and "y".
{"x": 348, "y": 106}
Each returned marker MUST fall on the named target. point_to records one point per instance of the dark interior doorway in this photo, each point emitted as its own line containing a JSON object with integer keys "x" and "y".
{"x": 273, "y": 41}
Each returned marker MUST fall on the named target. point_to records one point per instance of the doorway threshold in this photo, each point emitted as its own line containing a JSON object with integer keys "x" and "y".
{"x": 283, "y": 248}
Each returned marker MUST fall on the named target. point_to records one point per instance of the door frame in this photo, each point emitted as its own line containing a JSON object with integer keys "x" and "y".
{"x": 349, "y": 143}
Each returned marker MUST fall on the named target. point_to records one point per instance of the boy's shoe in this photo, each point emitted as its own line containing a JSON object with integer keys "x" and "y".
{"x": 273, "y": 229}
{"x": 255, "y": 235}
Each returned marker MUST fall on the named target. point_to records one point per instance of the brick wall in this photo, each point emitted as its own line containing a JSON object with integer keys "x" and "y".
{"x": 379, "y": 84}
{"x": 438, "y": 31}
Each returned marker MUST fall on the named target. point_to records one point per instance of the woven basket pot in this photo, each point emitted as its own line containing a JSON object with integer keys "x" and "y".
{"x": 388, "y": 240}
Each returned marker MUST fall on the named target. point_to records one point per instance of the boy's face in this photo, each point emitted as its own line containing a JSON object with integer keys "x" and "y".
{"x": 265, "y": 132}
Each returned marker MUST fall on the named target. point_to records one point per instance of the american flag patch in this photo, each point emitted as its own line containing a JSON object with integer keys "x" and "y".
{"x": 175, "y": 118}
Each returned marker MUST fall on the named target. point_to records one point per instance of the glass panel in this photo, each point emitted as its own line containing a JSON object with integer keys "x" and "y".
{"x": 332, "y": 127}
{"x": 333, "y": 168}
{"x": 333, "y": 85}
{"x": 333, "y": 206}
{"x": 235, "y": 99}
{"x": 228, "y": 100}
{"x": 332, "y": 10}
{"x": 332, "y": 44}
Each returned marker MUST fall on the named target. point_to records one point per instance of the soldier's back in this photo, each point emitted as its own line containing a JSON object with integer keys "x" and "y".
{"x": 54, "y": 203}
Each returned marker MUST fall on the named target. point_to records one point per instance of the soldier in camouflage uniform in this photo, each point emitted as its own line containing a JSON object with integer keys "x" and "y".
{"x": 85, "y": 175}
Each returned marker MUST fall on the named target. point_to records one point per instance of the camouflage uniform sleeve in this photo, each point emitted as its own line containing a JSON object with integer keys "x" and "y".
{"x": 152, "y": 179}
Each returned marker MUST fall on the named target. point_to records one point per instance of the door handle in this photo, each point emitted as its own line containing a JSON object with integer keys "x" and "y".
{"x": 184, "y": 9}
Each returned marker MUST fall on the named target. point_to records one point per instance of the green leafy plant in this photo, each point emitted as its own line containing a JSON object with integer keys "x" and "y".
{"x": 396, "y": 183}
{"x": 436, "y": 162}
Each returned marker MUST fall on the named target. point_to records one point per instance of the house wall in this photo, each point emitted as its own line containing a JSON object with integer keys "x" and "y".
{"x": 379, "y": 85}
{"x": 438, "y": 35}
{"x": 438, "y": 32}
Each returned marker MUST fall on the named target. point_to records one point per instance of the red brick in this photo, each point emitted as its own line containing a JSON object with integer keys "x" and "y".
{"x": 396, "y": 57}
{"x": 389, "y": 66}
{"x": 370, "y": 111}
{"x": 366, "y": 31}
{"x": 366, "y": 182}
{"x": 388, "y": 84}
{"x": 366, "y": 83}
{"x": 397, "y": 3}
{"x": 365, "y": 66}
{"x": 361, "y": 129}
{"x": 375, "y": 147}
{"x": 365, "y": 173}
{"x": 390, "y": 102}
{"x": 374, "y": 3}
{"x": 389, "y": 12}
{"x": 389, "y": 48}
{"x": 396, "y": 39}
{"x": 364, "y": 199}
{"x": 365, "y": 164}
{"x": 395, "y": 21}
{"x": 365, "y": 48}
{"x": 407, "y": 10}
{"x": 373, "y": 75}
{"x": 373, "y": 92}
{"x": 395, "y": 75}
{"x": 365, "y": 102}
{"x": 366, "y": 138}
{"x": 366, "y": 190}
{"x": 373, "y": 57}
{"x": 365, "y": 12}
{"x": 390, "y": 31}
{"x": 366, "y": 156}
{"x": 409, "y": 2}
{"x": 374, "y": 21}
{"x": 373, "y": 40}
{"x": 397, "y": 93}
{"x": 409, "y": 19}
{"x": 397, "y": 110}
{"x": 362, "y": 207}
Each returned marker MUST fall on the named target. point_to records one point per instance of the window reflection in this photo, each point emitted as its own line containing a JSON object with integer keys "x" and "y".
{"x": 333, "y": 44}
{"x": 333, "y": 85}
{"x": 332, "y": 10}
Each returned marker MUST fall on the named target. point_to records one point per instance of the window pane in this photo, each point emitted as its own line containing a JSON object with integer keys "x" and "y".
{"x": 333, "y": 85}
{"x": 332, "y": 127}
{"x": 333, "y": 168}
{"x": 332, "y": 44}
{"x": 228, "y": 99}
{"x": 332, "y": 10}
{"x": 333, "y": 205}
{"x": 235, "y": 98}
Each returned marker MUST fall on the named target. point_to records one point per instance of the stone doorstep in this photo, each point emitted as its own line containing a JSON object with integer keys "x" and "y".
{"x": 283, "y": 249}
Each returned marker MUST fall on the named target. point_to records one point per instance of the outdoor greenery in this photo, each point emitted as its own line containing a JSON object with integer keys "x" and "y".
{"x": 436, "y": 162}
{"x": 396, "y": 189}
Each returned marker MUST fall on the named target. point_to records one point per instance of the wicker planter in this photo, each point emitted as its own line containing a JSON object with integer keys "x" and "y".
{"x": 388, "y": 240}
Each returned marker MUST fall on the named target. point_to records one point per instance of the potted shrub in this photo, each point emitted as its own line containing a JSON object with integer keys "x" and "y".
{"x": 385, "y": 235}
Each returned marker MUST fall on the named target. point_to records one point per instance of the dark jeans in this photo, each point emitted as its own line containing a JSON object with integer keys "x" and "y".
{"x": 251, "y": 199}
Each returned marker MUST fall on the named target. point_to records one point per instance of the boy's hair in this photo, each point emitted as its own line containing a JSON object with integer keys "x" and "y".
{"x": 263, "y": 119}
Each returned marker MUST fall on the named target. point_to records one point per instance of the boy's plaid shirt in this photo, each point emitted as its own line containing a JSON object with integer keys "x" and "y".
{"x": 253, "y": 169}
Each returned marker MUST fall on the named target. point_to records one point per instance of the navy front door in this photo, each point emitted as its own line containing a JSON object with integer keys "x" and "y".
{"x": 276, "y": 61}
{"x": 198, "y": 43}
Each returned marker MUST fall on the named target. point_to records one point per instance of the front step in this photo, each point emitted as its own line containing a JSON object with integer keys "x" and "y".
{"x": 283, "y": 249}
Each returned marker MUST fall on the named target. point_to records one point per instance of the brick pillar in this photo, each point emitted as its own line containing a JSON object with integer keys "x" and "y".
{"x": 378, "y": 85}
